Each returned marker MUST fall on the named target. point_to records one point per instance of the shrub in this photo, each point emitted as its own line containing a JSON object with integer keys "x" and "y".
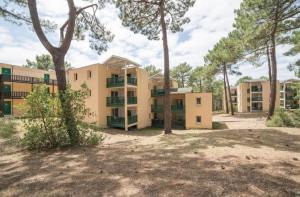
{"x": 281, "y": 118}
{"x": 7, "y": 128}
{"x": 45, "y": 126}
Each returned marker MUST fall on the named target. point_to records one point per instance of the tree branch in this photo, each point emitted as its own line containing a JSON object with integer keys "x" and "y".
{"x": 37, "y": 26}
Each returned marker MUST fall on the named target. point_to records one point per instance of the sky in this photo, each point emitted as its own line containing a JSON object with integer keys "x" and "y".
{"x": 210, "y": 21}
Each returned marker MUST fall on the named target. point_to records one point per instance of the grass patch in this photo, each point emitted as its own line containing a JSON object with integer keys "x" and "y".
{"x": 219, "y": 125}
{"x": 7, "y": 128}
{"x": 283, "y": 118}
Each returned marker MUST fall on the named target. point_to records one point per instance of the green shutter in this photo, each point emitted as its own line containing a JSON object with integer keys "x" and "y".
{"x": 6, "y": 88}
{"x": 6, "y": 71}
{"x": 7, "y": 108}
{"x": 46, "y": 78}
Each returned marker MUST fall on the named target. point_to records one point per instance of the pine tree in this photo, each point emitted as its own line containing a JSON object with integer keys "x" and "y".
{"x": 181, "y": 73}
{"x": 263, "y": 23}
{"x": 79, "y": 23}
{"x": 150, "y": 18}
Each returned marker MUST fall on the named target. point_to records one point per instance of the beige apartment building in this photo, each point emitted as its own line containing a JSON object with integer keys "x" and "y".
{"x": 289, "y": 98}
{"x": 16, "y": 82}
{"x": 122, "y": 95}
{"x": 254, "y": 96}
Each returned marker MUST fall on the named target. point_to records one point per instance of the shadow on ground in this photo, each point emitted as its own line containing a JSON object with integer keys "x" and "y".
{"x": 150, "y": 131}
{"x": 172, "y": 168}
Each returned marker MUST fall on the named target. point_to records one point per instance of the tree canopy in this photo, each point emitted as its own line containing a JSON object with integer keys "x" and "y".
{"x": 43, "y": 62}
{"x": 152, "y": 70}
{"x": 182, "y": 73}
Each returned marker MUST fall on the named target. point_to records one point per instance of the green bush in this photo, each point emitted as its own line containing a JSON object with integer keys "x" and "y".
{"x": 7, "y": 128}
{"x": 281, "y": 118}
{"x": 45, "y": 126}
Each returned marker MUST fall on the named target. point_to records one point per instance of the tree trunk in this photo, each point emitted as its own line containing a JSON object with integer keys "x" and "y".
{"x": 229, "y": 92}
{"x": 269, "y": 64}
{"x": 68, "y": 116}
{"x": 273, "y": 85}
{"x": 225, "y": 90}
{"x": 167, "y": 97}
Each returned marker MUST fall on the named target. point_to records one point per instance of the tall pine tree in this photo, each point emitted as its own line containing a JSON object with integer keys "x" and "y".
{"x": 150, "y": 18}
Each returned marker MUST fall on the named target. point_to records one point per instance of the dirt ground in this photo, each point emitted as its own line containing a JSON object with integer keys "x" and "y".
{"x": 242, "y": 158}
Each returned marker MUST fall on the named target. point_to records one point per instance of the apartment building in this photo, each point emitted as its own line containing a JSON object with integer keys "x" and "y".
{"x": 121, "y": 95}
{"x": 289, "y": 98}
{"x": 189, "y": 110}
{"x": 17, "y": 82}
{"x": 254, "y": 95}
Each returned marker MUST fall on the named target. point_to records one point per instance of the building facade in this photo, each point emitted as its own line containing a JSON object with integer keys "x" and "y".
{"x": 254, "y": 96}
{"x": 289, "y": 90}
{"x": 17, "y": 82}
{"x": 121, "y": 95}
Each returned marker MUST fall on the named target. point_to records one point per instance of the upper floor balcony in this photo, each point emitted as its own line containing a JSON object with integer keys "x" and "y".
{"x": 119, "y": 82}
{"x": 161, "y": 92}
{"x": 174, "y": 108}
{"x": 256, "y": 89}
{"x": 118, "y": 101}
{"x": 26, "y": 79}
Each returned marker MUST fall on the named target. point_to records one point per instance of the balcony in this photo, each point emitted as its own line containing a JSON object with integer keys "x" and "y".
{"x": 25, "y": 79}
{"x": 157, "y": 108}
{"x": 119, "y": 122}
{"x": 177, "y": 108}
{"x": 116, "y": 122}
{"x": 157, "y": 92}
{"x": 176, "y": 124}
{"x": 132, "y": 120}
{"x": 131, "y": 100}
{"x": 14, "y": 95}
{"x": 256, "y": 89}
{"x": 259, "y": 99}
{"x": 119, "y": 82}
{"x": 157, "y": 123}
{"x": 174, "y": 108}
{"x": 118, "y": 101}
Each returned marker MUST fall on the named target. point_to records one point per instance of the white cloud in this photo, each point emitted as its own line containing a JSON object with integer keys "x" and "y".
{"x": 210, "y": 20}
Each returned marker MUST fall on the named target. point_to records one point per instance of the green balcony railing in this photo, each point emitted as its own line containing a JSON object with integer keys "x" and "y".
{"x": 131, "y": 81}
{"x": 131, "y": 100}
{"x": 177, "y": 108}
{"x": 157, "y": 108}
{"x": 118, "y": 101}
{"x": 119, "y": 82}
{"x": 114, "y": 82}
{"x": 116, "y": 121}
{"x": 157, "y": 92}
{"x": 115, "y": 101}
{"x": 257, "y": 98}
{"x": 176, "y": 124}
{"x": 132, "y": 120}
{"x": 157, "y": 123}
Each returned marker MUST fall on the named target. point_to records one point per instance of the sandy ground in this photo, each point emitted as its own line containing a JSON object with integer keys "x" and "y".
{"x": 243, "y": 159}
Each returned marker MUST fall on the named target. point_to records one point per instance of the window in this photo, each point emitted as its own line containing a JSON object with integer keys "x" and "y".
{"x": 198, "y": 101}
{"x": 90, "y": 92}
{"x": 198, "y": 119}
{"x": 115, "y": 112}
{"x": 75, "y": 77}
{"x": 89, "y": 74}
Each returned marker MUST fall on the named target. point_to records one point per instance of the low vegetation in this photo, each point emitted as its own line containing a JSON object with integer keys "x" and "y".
{"x": 284, "y": 118}
{"x": 7, "y": 128}
{"x": 45, "y": 126}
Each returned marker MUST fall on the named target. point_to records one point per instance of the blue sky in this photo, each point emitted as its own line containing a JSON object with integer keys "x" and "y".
{"x": 210, "y": 21}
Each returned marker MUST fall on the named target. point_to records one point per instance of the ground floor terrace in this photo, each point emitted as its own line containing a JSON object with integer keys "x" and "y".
{"x": 240, "y": 157}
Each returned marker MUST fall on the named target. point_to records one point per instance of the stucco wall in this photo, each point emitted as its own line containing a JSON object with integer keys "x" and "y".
{"x": 92, "y": 102}
{"x": 204, "y": 110}
{"x": 144, "y": 99}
